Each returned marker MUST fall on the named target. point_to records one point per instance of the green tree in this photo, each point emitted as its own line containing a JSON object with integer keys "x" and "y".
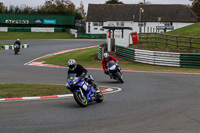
{"x": 145, "y": 2}
{"x": 196, "y": 9}
{"x": 114, "y": 2}
{"x": 2, "y": 8}
{"x": 81, "y": 9}
{"x": 64, "y": 7}
{"x": 28, "y": 10}
{"x": 194, "y": 1}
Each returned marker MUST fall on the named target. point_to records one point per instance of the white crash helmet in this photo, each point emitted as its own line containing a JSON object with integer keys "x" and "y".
{"x": 106, "y": 56}
{"x": 17, "y": 39}
{"x": 72, "y": 64}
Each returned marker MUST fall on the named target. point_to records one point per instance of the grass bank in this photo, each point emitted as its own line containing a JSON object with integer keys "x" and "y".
{"x": 88, "y": 58}
{"x": 188, "y": 31}
{"x": 34, "y": 35}
{"x": 24, "y": 90}
{"x": 185, "y": 40}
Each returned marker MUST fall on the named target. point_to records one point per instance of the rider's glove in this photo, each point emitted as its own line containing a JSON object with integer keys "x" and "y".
{"x": 117, "y": 63}
{"x": 82, "y": 75}
{"x": 106, "y": 71}
{"x": 67, "y": 86}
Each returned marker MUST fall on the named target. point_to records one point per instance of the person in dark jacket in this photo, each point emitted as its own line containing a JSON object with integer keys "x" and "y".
{"x": 17, "y": 42}
{"x": 81, "y": 72}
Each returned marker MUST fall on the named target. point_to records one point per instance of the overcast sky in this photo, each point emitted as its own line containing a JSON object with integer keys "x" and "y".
{"x": 35, "y": 3}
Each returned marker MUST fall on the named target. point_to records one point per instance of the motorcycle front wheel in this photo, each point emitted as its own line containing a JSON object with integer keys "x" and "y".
{"x": 81, "y": 100}
{"x": 119, "y": 77}
{"x": 99, "y": 97}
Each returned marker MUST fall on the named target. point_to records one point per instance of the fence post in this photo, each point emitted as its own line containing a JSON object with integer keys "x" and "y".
{"x": 140, "y": 29}
{"x": 177, "y": 42}
{"x": 166, "y": 41}
{"x": 156, "y": 39}
{"x": 140, "y": 38}
{"x": 147, "y": 37}
{"x": 190, "y": 43}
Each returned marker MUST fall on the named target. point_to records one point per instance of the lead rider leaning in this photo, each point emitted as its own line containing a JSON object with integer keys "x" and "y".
{"x": 81, "y": 72}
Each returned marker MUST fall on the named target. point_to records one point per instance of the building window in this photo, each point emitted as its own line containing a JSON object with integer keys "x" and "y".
{"x": 141, "y": 24}
{"x": 120, "y": 24}
{"x": 100, "y": 23}
{"x": 97, "y": 23}
{"x": 167, "y": 24}
{"x": 117, "y": 23}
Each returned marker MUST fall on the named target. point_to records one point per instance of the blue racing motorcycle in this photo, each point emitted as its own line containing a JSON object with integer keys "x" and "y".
{"x": 82, "y": 91}
{"x": 114, "y": 71}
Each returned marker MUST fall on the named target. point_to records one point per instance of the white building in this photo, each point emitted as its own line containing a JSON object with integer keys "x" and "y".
{"x": 141, "y": 18}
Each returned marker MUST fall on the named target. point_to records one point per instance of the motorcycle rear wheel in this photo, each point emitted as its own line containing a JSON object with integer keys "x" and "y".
{"x": 119, "y": 77}
{"x": 81, "y": 100}
{"x": 16, "y": 52}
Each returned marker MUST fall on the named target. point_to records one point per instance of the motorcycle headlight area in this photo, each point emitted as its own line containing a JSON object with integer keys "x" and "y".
{"x": 113, "y": 67}
{"x": 75, "y": 80}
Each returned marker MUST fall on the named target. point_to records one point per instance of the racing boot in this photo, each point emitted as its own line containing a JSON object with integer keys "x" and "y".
{"x": 97, "y": 90}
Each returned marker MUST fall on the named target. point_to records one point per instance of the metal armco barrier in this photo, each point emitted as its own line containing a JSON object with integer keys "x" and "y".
{"x": 159, "y": 58}
{"x": 190, "y": 60}
{"x": 126, "y": 53}
{"x": 7, "y": 47}
{"x": 99, "y": 52}
{"x": 33, "y": 29}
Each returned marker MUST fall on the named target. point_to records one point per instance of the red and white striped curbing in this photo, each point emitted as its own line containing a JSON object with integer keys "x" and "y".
{"x": 109, "y": 90}
{"x": 65, "y": 51}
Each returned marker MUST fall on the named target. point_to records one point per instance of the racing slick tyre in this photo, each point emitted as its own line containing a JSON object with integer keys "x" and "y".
{"x": 119, "y": 77}
{"x": 99, "y": 97}
{"x": 81, "y": 100}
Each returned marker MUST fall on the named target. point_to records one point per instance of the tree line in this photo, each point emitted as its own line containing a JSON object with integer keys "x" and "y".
{"x": 196, "y": 8}
{"x": 66, "y": 7}
{"x": 61, "y": 7}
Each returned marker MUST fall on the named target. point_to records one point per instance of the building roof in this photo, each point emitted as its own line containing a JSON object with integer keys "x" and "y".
{"x": 125, "y": 12}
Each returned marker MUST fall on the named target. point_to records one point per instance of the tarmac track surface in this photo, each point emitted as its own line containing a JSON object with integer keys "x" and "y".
{"x": 148, "y": 103}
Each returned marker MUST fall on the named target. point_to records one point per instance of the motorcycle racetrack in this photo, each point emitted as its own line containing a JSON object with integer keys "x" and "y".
{"x": 149, "y": 102}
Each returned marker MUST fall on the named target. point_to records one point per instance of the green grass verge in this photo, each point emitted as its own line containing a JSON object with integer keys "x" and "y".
{"x": 24, "y": 90}
{"x": 84, "y": 57}
{"x": 34, "y": 35}
{"x": 88, "y": 58}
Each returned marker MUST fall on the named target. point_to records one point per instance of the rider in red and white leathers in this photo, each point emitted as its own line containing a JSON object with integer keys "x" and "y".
{"x": 106, "y": 59}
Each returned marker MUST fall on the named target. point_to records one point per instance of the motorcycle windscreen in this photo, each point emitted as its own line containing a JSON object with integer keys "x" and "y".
{"x": 110, "y": 63}
{"x": 71, "y": 75}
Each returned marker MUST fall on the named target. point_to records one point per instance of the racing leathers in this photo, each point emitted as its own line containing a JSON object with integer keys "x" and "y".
{"x": 104, "y": 62}
{"x": 81, "y": 73}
